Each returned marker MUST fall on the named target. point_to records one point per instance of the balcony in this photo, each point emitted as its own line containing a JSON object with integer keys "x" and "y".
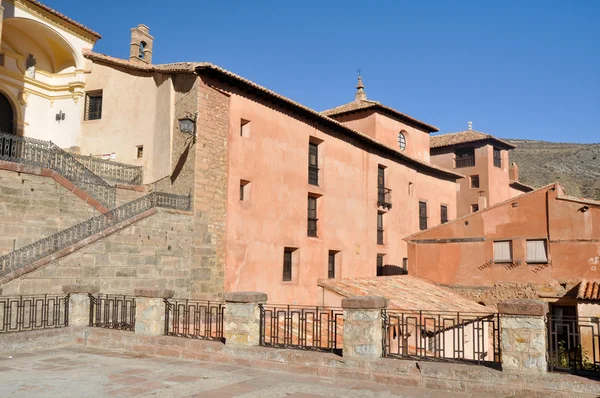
{"x": 465, "y": 161}
{"x": 384, "y": 197}
{"x": 379, "y": 236}
{"x": 312, "y": 227}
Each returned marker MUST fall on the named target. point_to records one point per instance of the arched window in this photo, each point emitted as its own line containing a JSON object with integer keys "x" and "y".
{"x": 402, "y": 141}
{"x": 142, "y": 47}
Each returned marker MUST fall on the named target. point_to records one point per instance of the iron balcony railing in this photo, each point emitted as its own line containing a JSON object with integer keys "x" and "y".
{"x": 46, "y": 154}
{"x": 23, "y": 313}
{"x": 384, "y": 197}
{"x": 300, "y": 327}
{"x": 51, "y": 244}
{"x": 313, "y": 175}
{"x": 442, "y": 336}
{"x": 115, "y": 172}
{"x": 465, "y": 161}
{"x": 194, "y": 319}
{"x": 574, "y": 344}
{"x": 112, "y": 312}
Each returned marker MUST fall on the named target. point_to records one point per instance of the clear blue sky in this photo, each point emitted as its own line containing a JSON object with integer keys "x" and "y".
{"x": 517, "y": 69}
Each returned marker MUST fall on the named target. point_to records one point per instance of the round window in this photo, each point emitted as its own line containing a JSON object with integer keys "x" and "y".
{"x": 402, "y": 141}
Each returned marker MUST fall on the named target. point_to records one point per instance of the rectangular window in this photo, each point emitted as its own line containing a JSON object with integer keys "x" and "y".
{"x": 537, "y": 251}
{"x": 244, "y": 190}
{"x": 312, "y": 216}
{"x": 331, "y": 265}
{"x": 465, "y": 157}
{"x": 475, "y": 181}
{"x": 380, "y": 228}
{"x": 474, "y": 208}
{"x": 380, "y": 264}
{"x": 443, "y": 214}
{"x": 313, "y": 164}
{"x": 287, "y": 263}
{"x": 405, "y": 265}
{"x": 497, "y": 157}
{"x": 245, "y": 128}
{"x": 384, "y": 195}
{"x": 422, "y": 215}
{"x": 93, "y": 105}
{"x": 140, "y": 151}
{"x": 503, "y": 252}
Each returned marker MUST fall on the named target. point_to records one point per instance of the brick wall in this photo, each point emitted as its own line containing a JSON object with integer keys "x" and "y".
{"x": 33, "y": 207}
{"x": 152, "y": 253}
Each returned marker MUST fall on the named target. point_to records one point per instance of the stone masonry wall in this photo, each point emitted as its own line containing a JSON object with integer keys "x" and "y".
{"x": 33, "y": 207}
{"x": 152, "y": 253}
{"x": 128, "y": 195}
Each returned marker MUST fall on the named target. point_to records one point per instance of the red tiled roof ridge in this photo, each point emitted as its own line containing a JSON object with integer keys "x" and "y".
{"x": 589, "y": 290}
{"x": 64, "y": 17}
{"x": 462, "y": 137}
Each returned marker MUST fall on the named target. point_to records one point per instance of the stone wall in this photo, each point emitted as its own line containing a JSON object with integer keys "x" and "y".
{"x": 33, "y": 207}
{"x": 152, "y": 253}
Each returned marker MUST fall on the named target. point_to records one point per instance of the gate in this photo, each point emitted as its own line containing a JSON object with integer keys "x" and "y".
{"x": 573, "y": 344}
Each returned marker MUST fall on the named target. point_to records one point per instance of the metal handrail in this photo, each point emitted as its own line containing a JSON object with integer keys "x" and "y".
{"x": 51, "y": 244}
{"x": 46, "y": 154}
{"x": 117, "y": 172}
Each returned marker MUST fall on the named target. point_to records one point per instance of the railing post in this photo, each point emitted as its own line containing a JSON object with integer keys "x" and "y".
{"x": 363, "y": 334}
{"x": 524, "y": 340}
{"x": 79, "y": 303}
{"x": 242, "y": 317}
{"x": 150, "y": 311}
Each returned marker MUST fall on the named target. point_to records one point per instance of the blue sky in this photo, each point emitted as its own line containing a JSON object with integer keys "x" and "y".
{"x": 517, "y": 69}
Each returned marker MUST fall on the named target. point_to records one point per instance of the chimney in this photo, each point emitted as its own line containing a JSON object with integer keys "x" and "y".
{"x": 140, "y": 49}
{"x": 513, "y": 172}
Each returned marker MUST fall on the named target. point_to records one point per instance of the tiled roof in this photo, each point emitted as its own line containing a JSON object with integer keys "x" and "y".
{"x": 520, "y": 186}
{"x": 366, "y": 104}
{"x": 404, "y": 292}
{"x": 463, "y": 137}
{"x": 191, "y": 67}
{"x": 64, "y": 17}
{"x": 589, "y": 290}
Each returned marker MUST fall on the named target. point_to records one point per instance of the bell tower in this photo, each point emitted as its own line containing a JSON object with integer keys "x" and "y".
{"x": 140, "y": 49}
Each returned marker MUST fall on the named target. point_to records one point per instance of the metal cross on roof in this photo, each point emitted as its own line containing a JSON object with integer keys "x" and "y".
{"x": 359, "y": 71}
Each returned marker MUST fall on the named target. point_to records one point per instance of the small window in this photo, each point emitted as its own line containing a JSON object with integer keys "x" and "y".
{"x": 331, "y": 265}
{"x": 244, "y": 190}
{"x": 475, "y": 181}
{"x": 503, "y": 252}
{"x": 422, "y": 215}
{"x": 443, "y": 214}
{"x": 410, "y": 188}
{"x": 288, "y": 258}
{"x": 405, "y": 265}
{"x": 312, "y": 217}
{"x": 93, "y": 105}
{"x": 402, "y": 141}
{"x": 380, "y": 264}
{"x": 474, "y": 208}
{"x": 380, "y": 228}
{"x": 497, "y": 157}
{"x": 139, "y": 151}
{"x": 245, "y": 128}
{"x": 537, "y": 251}
{"x": 313, "y": 164}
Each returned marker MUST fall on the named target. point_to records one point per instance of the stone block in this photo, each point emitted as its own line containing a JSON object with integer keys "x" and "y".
{"x": 246, "y": 297}
{"x": 523, "y": 307}
{"x": 365, "y": 302}
{"x": 154, "y": 293}
{"x": 84, "y": 289}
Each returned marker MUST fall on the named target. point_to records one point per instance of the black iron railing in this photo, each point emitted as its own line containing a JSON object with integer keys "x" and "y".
{"x": 442, "y": 336}
{"x": 312, "y": 227}
{"x": 46, "y": 246}
{"x": 465, "y": 161}
{"x": 115, "y": 172}
{"x": 574, "y": 344}
{"x": 300, "y": 327}
{"x": 313, "y": 175}
{"x": 384, "y": 197}
{"x": 194, "y": 319}
{"x": 112, "y": 312}
{"x": 46, "y": 154}
{"x": 25, "y": 313}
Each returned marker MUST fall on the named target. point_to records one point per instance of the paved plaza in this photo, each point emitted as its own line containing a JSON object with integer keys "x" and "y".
{"x": 81, "y": 372}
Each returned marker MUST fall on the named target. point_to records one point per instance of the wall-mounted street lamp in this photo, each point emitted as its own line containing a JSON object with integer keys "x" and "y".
{"x": 60, "y": 116}
{"x": 188, "y": 125}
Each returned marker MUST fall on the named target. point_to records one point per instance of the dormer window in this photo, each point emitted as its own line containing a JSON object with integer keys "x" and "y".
{"x": 142, "y": 47}
{"x": 402, "y": 141}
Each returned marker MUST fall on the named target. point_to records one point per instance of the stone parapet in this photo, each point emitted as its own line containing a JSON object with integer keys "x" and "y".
{"x": 245, "y": 297}
{"x": 242, "y": 318}
{"x": 523, "y": 307}
{"x": 363, "y": 327}
{"x": 365, "y": 302}
{"x": 74, "y": 289}
{"x": 154, "y": 293}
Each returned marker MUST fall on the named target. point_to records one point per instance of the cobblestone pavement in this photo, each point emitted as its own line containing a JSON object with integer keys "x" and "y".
{"x": 81, "y": 372}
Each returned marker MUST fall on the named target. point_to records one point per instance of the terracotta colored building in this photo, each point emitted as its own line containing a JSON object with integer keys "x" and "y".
{"x": 483, "y": 160}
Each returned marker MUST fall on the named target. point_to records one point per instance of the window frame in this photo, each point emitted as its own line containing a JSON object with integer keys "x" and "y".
{"x": 443, "y": 212}
{"x": 402, "y": 141}
{"x": 545, "y": 244}
{"x": 472, "y": 179}
{"x": 97, "y": 113}
{"x": 474, "y": 208}
{"x": 380, "y": 229}
{"x": 313, "y": 166}
{"x": 380, "y": 259}
{"x": 312, "y": 220}
{"x": 288, "y": 264}
{"x": 423, "y": 225}
{"x": 331, "y": 264}
{"x": 510, "y": 252}
{"x": 497, "y": 159}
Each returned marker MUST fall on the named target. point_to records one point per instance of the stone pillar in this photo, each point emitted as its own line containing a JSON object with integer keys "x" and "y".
{"x": 79, "y": 303}
{"x": 524, "y": 339}
{"x": 242, "y": 318}
{"x": 363, "y": 327}
{"x": 150, "y": 311}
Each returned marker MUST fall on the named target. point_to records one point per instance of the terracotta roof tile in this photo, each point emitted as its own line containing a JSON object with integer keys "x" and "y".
{"x": 405, "y": 292}
{"x": 589, "y": 290}
{"x": 64, "y": 17}
{"x": 463, "y": 137}
{"x": 358, "y": 105}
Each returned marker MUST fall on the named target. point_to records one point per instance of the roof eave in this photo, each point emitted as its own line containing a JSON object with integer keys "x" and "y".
{"x": 404, "y": 118}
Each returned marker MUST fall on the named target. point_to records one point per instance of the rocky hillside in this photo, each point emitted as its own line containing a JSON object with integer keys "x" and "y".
{"x": 575, "y": 166}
